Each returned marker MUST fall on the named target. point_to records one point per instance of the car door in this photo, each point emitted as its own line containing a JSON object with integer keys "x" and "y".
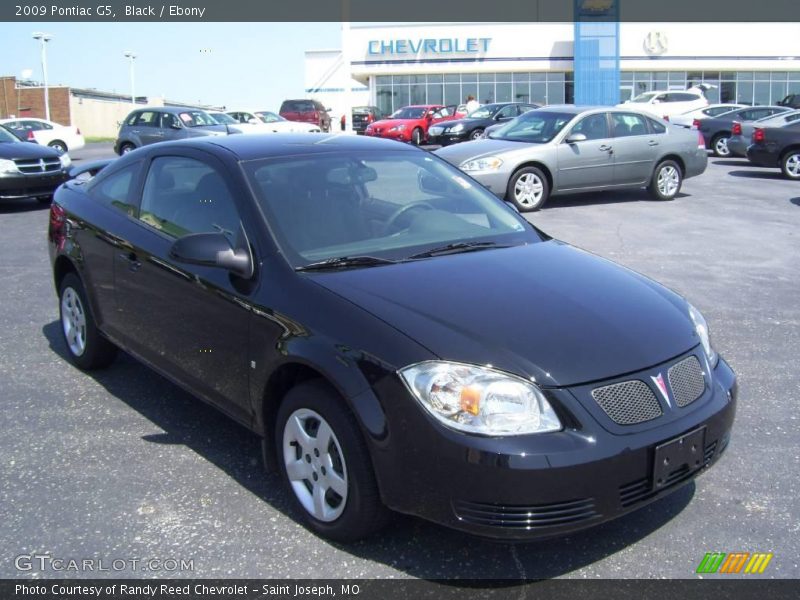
{"x": 146, "y": 127}
{"x": 590, "y": 163}
{"x": 635, "y": 148}
{"x": 170, "y": 127}
{"x": 507, "y": 113}
{"x": 190, "y": 321}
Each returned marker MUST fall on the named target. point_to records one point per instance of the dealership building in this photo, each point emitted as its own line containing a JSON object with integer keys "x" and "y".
{"x": 442, "y": 63}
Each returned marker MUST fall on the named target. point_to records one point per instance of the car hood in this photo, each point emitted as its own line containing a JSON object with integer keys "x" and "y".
{"x": 25, "y": 150}
{"x": 459, "y": 153}
{"x": 546, "y": 310}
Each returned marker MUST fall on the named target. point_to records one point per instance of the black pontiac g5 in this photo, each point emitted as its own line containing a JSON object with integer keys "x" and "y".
{"x": 398, "y": 336}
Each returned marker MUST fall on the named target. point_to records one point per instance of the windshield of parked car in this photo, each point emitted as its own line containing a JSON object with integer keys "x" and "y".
{"x": 485, "y": 112}
{"x": 7, "y": 137}
{"x": 643, "y": 98}
{"x": 534, "y": 126}
{"x": 196, "y": 118}
{"x": 223, "y": 119}
{"x": 269, "y": 117}
{"x": 409, "y": 112}
{"x": 387, "y": 204}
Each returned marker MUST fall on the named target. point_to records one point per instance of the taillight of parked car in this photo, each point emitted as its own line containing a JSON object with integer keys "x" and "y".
{"x": 30, "y": 135}
{"x": 758, "y": 136}
{"x": 736, "y": 129}
{"x": 666, "y": 118}
{"x": 696, "y": 123}
{"x": 58, "y": 222}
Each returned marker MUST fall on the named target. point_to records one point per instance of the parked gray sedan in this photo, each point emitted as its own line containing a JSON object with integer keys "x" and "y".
{"x": 566, "y": 149}
{"x": 150, "y": 125}
{"x": 742, "y": 132}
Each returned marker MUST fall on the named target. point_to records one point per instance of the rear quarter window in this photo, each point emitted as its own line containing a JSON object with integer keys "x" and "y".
{"x": 657, "y": 127}
{"x": 116, "y": 189}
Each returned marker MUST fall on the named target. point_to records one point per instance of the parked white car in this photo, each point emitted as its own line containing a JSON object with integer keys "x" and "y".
{"x": 666, "y": 104}
{"x": 712, "y": 110}
{"x": 61, "y": 138}
{"x": 233, "y": 125}
{"x": 271, "y": 122}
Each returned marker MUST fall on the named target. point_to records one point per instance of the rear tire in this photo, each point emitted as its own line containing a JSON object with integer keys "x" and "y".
{"x": 667, "y": 180}
{"x": 790, "y": 165}
{"x": 86, "y": 347}
{"x": 719, "y": 145}
{"x": 528, "y": 189}
{"x": 416, "y": 136}
{"x": 330, "y": 480}
{"x": 125, "y": 148}
{"x": 58, "y": 146}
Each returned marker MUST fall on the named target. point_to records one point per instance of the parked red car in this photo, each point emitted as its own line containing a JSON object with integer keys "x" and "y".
{"x": 410, "y": 123}
{"x": 307, "y": 111}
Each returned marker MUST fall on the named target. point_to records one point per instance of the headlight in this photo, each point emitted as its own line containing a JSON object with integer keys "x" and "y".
{"x": 7, "y": 166}
{"x": 701, "y": 327}
{"x": 66, "y": 161}
{"x": 398, "y": 128}
{"x": 479, "y": 399}
{"x": 490, "y": 163}
{"x": 457, "y": 128}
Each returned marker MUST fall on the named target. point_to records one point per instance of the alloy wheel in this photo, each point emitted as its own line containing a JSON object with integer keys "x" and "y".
{"x": 73, "y": 320}
{"x": 721, "y": 147}
{"x": 528, "y": 190}
{"x": 792, "y": 165}
{"x": 668, "y": 181}
{"x": 315, "y": 465}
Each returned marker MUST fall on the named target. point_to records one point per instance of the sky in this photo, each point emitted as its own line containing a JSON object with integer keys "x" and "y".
{"x": 254, "y": 65}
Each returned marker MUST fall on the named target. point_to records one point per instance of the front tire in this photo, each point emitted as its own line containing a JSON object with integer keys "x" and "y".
{"x": 476, "y": 135}
{"x": 790, "y": 165}
{"x": 528, "y": 189}
{"x": 416, "y": 136}
{"x": 86, "y": 347}
{"x": 325, "y": 464}
{"x": 667, "y": 180}
{"x": 719, "y": 145}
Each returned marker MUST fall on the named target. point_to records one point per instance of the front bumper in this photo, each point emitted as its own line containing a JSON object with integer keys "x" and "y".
{"x": 542, "y": 485}
{"x": 445, "y": 139}
{"x": 30, "y": 186}
{"x": 403, "y": 135}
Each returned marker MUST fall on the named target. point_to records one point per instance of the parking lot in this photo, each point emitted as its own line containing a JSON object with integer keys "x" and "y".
{"x": 122, "y": 464}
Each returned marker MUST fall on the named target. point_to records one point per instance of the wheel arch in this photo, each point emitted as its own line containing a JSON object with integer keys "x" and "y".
{"x": 787, "y": 150}
{"x": 539, "y": 165}
{"x": 676, "y": 159}
{"x": 61, "y": 268}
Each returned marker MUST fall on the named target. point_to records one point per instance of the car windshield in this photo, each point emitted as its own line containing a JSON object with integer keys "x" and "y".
{"x": 223, "y": 119}
{"x": 269, "y": 117}
{"x": 387, "y": 205}
{"x": 6, "y": 137}
{"x": 644, "y": 98}
{"x": 196, "y": 118}
{"x": 409, "y": 112}
{"x": 485, "y": 112}
{"x": 535, "y": 126}
{"x": 361, "y": 110}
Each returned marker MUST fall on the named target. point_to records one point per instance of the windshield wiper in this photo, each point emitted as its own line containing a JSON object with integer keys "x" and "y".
{"x": 456, "y": 248}
{"x": 346, "y": 261}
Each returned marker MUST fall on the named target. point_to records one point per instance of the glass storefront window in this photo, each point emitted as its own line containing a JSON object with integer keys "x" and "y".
{"x": 522, "y": 77}
{"x": 417, "y": 94}
{"x": 486, "y": 93}
{"x": 539, "y": 93}
{"x": 503, "y": 92}
{"x": 452, "y": 78}
{"x": 555, "y": 77}
{"x": 727, "y": 92}
{"x": 452, "y": 93}
{"x": 761, "y": 93}
{"x": 469, "y": 77}
{"x": 435, "y": 78}
{"x": 502, "y": 77}
{"x": 555, "y": 93}
{"x": 399, "y": 79}
{"x": 400, "y": 93}
{"x": 744, "y": 92}
{"x": 538, "y": 76}
{"x": 435, "y": 93}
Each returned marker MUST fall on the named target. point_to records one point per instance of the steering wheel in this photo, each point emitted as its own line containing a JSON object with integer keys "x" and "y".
{"x": 392, "y": 220}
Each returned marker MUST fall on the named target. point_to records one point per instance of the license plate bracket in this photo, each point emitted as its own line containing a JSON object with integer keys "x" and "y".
{"x": 678, "y": 457}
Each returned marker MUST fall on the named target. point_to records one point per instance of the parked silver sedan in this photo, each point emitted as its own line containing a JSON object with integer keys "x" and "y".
{"x": 567, "y": 149}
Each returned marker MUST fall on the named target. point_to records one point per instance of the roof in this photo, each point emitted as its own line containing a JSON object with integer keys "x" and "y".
{"x": 252, "y": 147}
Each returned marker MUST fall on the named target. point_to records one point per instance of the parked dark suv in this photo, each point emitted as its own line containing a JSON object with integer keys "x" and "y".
{"x": 150, "y": 125}
{"x": 307, "y": 111}
{"x": 792, "y": 101}
{"x": 363, "y": 116}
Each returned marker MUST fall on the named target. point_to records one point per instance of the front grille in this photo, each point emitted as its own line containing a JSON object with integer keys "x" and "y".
{"x": 525, "y": 517}
{"x": 628, "y": 403}
{"x": 35, "y": 166}
{"x": 687, "y": 381}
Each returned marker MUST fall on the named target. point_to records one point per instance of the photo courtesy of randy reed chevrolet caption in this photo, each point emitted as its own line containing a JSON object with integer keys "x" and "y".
{"x": 377, "y": 333}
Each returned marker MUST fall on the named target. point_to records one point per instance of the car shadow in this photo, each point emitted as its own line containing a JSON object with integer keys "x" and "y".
{"x": 795, "y": 201}
{"x": 410, "y": 545}
{"x": 736, "y": 162}
{"x": 603, "y": 197}
{"x": 772, "y": 174}
{"x": 21, "y": 206}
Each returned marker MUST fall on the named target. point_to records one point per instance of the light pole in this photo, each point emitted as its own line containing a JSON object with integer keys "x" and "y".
{"x": 131, "y": 57}
{"x": 43, "y": 39}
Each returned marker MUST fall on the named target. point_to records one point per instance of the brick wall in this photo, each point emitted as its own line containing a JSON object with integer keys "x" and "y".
{"x": 29, "y": 101}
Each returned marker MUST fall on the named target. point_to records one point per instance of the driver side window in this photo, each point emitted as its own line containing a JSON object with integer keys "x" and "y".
{"x": 183, "y": 195}
{"x": 594, "y": 127}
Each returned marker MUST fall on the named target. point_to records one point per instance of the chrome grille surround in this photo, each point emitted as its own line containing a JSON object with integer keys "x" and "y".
{"x": 36, "y": 166}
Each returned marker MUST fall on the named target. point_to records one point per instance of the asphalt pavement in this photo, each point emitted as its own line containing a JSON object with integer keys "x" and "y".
{"x": 121, "y": 464}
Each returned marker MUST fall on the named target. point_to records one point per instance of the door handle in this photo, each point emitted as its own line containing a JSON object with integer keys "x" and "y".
{"x": 605, "y": 148}
{"x": 652, "y": 143}
{"x": 131, "y": 258}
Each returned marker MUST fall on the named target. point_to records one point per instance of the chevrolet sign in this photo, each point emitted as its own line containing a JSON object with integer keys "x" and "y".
{"x": 429, "y": 46}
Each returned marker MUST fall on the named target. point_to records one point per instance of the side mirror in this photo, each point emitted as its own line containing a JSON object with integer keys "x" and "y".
{"x": 430, "y": 183}
{"x": 212, "y": 250}
{"x": 574, "y": 138}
